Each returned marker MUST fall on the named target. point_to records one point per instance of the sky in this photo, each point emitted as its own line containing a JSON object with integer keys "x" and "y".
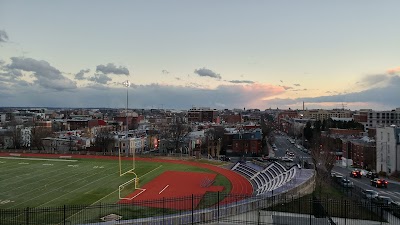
{"x": 184, "y": 54}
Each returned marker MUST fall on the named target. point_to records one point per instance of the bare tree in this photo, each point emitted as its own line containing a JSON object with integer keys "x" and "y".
{"x": 104, "y": 140}
{"x": 177, "y": 130}
{"x": 37, "y": 135}
{"x": 323, "y": 158}
{"x": 15, "y": 130}
{"x": 214, "y": 138}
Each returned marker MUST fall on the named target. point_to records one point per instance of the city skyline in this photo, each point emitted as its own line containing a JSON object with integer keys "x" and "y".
{"x": 176, "y": 54}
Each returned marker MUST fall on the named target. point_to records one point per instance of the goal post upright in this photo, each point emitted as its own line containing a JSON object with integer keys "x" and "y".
{"x": 126, "y": 154}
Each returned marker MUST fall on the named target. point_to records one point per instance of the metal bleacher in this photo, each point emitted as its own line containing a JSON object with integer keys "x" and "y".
{"x": 266, "y": 179}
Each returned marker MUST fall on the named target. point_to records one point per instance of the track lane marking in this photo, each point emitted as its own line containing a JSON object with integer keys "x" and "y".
{"x": 163, "y": 189}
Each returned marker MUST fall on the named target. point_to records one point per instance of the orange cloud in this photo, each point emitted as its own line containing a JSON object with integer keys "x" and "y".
{"x": 394, "y": 70}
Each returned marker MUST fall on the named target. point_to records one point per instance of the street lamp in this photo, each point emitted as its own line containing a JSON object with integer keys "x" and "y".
{"x": 127, "y": 84}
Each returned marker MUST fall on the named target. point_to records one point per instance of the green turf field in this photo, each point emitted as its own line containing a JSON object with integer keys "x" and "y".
{"x": 26, "y": 182}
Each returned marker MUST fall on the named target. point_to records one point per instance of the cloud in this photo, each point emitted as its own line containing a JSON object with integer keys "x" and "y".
{"x": 164, "y": 72}
{"x": 81, "y": 74}
{"x": 297, "y": 85}
{"x": 11, "y": 73}
{"x": 146, "y": 96}
{"x": 204, "y": 72}
{"x": 385, "y": 96}
{"x": 3, "y": 36}
{"x": 394, "y": 71}
{"x": 111, "y": 68}
{"x": 286, "y": 87}
{"x": 46, "y": 75}
{"x": 241, "y": 81}
{"x": 100, "y": 78}
{"x": 374, "y": 79}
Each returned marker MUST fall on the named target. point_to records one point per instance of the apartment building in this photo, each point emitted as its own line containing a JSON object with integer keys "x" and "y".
{"x": 247, "y": 142}
{"x": 202, "y": 115}
{"x": 388, "y": 149}
{"x": 380, "y": 118}
{"x": 323, "y": 114}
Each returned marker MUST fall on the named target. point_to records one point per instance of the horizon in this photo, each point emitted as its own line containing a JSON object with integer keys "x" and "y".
{"x": 176, "y": 54}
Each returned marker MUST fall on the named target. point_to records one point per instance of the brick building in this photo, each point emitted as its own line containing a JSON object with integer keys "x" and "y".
{"x": 202, "y": 115}
{"x": 247, "y": 142}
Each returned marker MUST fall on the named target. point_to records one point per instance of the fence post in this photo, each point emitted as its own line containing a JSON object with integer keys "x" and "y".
{"x": 345, "y": 212}
{"x": 218, "y": 208}
{"x": 192, "y": 209}
{"x": 163, "y": 210}
{"x": 65, "y": 216}
{"x": 311, "y": 207}
{"x": 27, "y": 215}
{"x": 99, "y": 209}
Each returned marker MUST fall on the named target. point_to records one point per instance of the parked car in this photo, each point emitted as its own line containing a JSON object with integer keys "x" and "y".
{"x": 346, "y": 183}
{"x": 355, "y": 174}
{"x": 290, "y": 154}
{"x": 369, "y": 194}
{"x": 287, "y": 159}
{"x": 379, "y": 183}
{"x": 383, "y": 200}
{"x": 372, "y": 174}
{"x": 338, "y": 178}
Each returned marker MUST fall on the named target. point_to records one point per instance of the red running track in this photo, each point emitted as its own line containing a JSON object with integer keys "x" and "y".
{"x": 241, "y": 187}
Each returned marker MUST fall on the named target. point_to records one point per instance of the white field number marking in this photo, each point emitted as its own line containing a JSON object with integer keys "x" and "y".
{"x": 98, "y": 167}
{"x": 73, "y": 165}
{"x": 47, "y": 164}
{"x": 23, "y": 163}
{"x": 3, "y": 202}
{"x": 163, "y": 189}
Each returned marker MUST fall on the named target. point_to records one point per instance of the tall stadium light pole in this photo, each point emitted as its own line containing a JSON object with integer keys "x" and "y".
{"x": 127, "y": 84}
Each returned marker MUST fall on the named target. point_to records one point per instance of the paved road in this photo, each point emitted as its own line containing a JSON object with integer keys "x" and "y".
{"x": 392, "y": 191}
{"x": 283, "y": 144}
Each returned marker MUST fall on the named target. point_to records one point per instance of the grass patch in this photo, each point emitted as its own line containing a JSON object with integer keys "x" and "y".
{"x": 327, "y": 199}
{"x": 212, "y": 198}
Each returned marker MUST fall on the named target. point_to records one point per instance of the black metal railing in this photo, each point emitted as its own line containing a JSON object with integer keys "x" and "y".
{"x": 213, "y": 207}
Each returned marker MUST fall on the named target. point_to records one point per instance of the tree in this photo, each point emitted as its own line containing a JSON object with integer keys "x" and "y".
{"x": 323, "y": 158}
{"x": 308, "y": 131}
{"x": 104, "y": 140}
{"x": 215, "y": 136}
{"x": 15, "y": 131}
{"x": 177, "y": 131}
{"x": 37, "y": 135}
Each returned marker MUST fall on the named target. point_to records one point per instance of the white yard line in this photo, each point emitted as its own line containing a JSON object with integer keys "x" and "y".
{"x": 41, "y": 159}
{"x": 163, "y": 189}
{"x": 29, "y": 199}
{"x": 114, "y": 192}
{"x": 74, "y": 190}
{"x": 36, "y": 181}
{"x": 15, "y": 167}
{"x": 150, "y": 171}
